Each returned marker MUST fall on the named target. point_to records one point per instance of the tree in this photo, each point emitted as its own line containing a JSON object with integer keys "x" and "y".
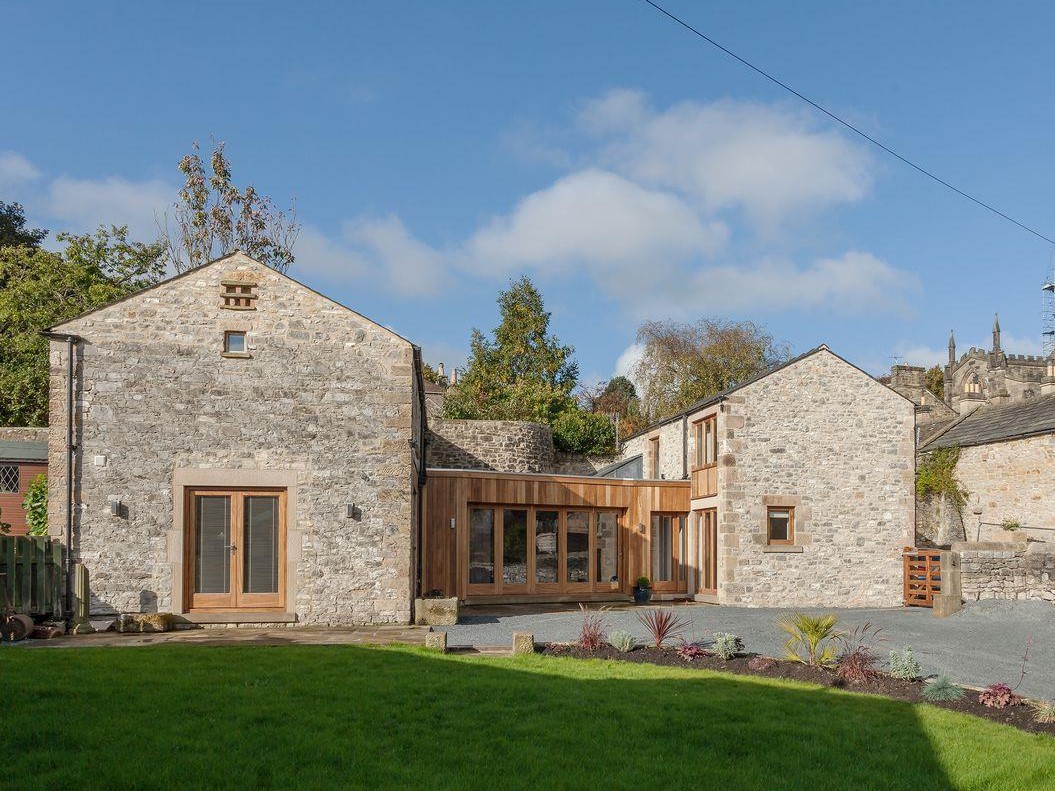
{"x": 39, "y": 289}
{"x": 214, "y": 218}
{"x": 934, "y": 380}
{"x": 13, "y": 231}
{"x": 522, "y": 372}
{"x": 616, "y": 398}
{"x": 432, "y": 376}
{"x": 682, "y": 363}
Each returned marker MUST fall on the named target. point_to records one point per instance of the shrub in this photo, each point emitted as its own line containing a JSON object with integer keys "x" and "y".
{"x": 35, "y": 505}
{"x": 998, "y": 696}
{"x": 622, "y": 641}
{"x": 941, "y": 690}
{"x": 1043, "y": 712}
{"x": 577, "y": 431}
{"x": 593, "y": 630}
{"x": 857, "y": 663}
{"x": 904, "y": 665}
{"x": 1010, "y": 524}
{"x": 759, "y": 663}
{"x": 812, "y": 638}
{"x": 936, "y": 475}
{"x": 690, "y": 651}
{"x": 727, "y": 646}
{"x": 662, "y": 625}
{"x": 644, "y": 582}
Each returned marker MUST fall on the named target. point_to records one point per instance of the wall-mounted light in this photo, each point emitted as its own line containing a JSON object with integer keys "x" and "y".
{"x": 353, "y": 512}
{"x": 115, "y": 507}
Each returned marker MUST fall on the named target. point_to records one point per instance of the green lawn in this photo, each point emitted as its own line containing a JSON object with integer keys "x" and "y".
{"x": 307, "y": 717}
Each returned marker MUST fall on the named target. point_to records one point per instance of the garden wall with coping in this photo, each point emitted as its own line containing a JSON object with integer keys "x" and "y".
{"x": 1007, "y": 570}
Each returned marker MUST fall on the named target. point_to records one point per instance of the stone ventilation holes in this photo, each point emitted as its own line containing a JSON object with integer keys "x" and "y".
{"x": 238, "y": 295}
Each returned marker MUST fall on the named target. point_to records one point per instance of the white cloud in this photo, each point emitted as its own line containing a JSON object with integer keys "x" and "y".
{"x": 410, "y": 266}
{"x": 772, "y": 162}
{"x": 321, "y": 255}
{"x": 83, "y": 204}
{"x": 597, "y": 220}
{"x": 15, "y": 170}
{"x": 628, "y": 360}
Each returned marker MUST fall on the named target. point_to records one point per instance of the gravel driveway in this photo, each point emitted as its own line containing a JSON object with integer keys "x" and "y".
{"x": 981, "y": 645}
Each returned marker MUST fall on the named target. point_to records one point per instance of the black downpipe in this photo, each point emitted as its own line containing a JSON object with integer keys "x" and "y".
{"x": 423, "y": 426}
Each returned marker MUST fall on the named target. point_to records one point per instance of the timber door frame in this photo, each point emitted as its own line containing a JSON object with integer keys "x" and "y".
{"x": 705, "y": 521}
{"x": 235, "y": 600}
{"x": 680, "y": 583}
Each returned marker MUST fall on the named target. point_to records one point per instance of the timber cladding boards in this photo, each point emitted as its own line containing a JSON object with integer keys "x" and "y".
{"x": 451, "y": 493}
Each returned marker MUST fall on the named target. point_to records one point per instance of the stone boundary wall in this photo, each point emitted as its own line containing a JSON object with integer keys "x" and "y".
{"x": 938, "y": 522}
{"x": 578, "y": 464}
{"x": 13, "y": 434}
{"x": 492, "y": 445}
{"x": 992, "y": 570}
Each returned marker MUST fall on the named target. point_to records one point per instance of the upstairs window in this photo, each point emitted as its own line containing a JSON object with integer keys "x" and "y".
{"x": 238, "y": 295}
{"x": 234, "y": 344}
{"x": 781, "y": 525}
{"x": 705, "y": 434}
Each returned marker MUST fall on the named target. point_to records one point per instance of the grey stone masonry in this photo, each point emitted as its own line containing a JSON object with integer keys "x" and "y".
{"x": 672, "y": 450}
{"x": 321, "y": 404}
{"x": 18, "y": 434}
{"x": 828, "y": 440}
{"x": 1007, "y": 570}
{"x": 495, "y": 445}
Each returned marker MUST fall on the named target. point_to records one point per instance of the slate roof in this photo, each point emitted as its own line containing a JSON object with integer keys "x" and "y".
{"x": 991, "y": 423}
{"x": 630, "y": 467}
{"x": 13, "y": 450}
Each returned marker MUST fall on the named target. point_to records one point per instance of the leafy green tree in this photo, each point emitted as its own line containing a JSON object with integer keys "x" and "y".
{"x": 521, "y": 372}
{"x": 934, "y": 380}
{"x": 683, "y": 363}
{"x": 617, "y": 398}
{"x": 13, "y": 231}
{"x": 578, "y": 431}
{"x": 39, "y": 289}
{"x": 214, "y": 218}
{"x": 432, "y": 376}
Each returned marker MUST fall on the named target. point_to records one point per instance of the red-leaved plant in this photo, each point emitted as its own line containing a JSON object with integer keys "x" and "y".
{"x": 999, "y": 696}
{"x": 690, "y": 651}
{"x": 593, "y": 631}
{"x": 857, "y": 663}
{"x": 663, "y": 625}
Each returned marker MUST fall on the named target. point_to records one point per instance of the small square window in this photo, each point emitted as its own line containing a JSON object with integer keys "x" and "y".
{"x": 234, "y": 343}
{"x": 9, "y": 478}
{"x": 780, "y": 525}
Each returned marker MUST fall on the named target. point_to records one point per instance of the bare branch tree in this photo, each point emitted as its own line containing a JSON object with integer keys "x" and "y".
{"x": 213, "y": 218}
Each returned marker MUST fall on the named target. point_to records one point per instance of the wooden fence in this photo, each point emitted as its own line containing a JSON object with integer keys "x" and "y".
{"x": 922, "y": 576}
{"x": 32, "y": 575}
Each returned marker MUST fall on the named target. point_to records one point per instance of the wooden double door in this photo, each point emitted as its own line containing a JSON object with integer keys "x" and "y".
{"x": 680, "y": 562}
{"x": 515, "y": 550}
{"x": 235, "y": 549}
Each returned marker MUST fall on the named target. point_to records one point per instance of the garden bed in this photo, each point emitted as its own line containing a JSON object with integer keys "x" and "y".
{"x": 1020, "y": 716}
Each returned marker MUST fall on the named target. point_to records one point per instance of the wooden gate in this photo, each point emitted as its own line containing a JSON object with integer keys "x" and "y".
{"x": 922, "y": 576}
{"x": 32, "y": 575}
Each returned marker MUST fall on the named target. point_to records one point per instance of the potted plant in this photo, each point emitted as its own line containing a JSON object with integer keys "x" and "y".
{"x": 642, "y": 590}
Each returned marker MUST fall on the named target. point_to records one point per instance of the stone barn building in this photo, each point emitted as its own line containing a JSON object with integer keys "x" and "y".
{"x": 246, "y": 450}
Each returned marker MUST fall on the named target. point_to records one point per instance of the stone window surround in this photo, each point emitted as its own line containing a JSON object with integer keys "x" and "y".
{"x": 184, "y": 478}
{"x": 800, "y": 521}
{"x": 245, "y": 353}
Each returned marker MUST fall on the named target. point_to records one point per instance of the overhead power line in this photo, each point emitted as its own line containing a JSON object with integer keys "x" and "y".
{"x": 847, "y": 124}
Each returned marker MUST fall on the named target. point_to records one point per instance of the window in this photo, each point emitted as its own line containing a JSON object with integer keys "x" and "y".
{"x": 238, "y": 295}
{"x": 653, "y": 456}
{"x": 705, "y": 433}
{"x": 780, "y": 524}
{"x": 234, "y": 344}
{"x": 9, "y": 478}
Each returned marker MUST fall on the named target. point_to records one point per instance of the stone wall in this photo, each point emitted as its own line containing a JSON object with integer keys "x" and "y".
{"x": 827, "y": 439}
{"x": 578, "y": 464}
{"x": 672, "y": 458}
{"x": 13, "y": 434}
{"x": 496, "y": 445}
{"x": 323, "y": 404}
{"x": 1011, "y": 480}
{"x": 1007, "y": 571}
{"x": 938, "y": 522}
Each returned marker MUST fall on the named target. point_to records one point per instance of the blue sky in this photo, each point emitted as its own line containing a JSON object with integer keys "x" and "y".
{"x": 437, "y": 150}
